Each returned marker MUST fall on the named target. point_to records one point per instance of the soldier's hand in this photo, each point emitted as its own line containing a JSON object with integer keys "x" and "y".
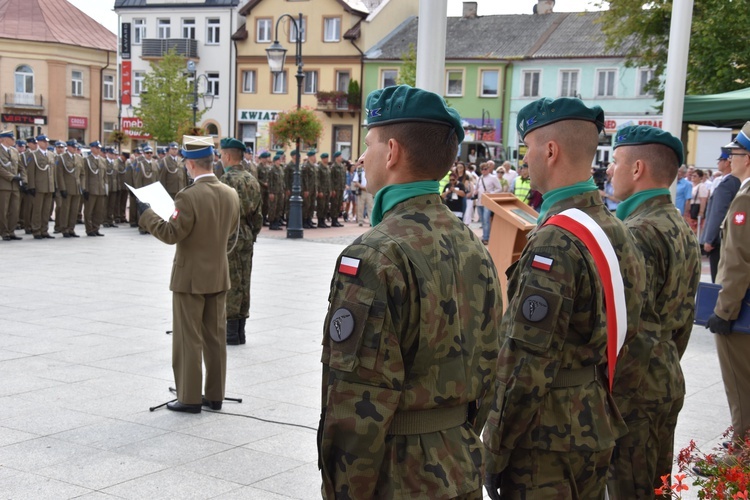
{"x": 86, "y": 195}
{"x": 22, "y": 187}
{"x": 32, "y": 192}
{"x": 16, "y": 178}
{"x": 305, "y": 194}
{"x": 142, "y": 207}
{"x": 719, "y": 325}
{"x": 492, "y": 485}
{"x": 63, "y": 193}
{"x": 271, "y": 196}
{"x": 708, "y": 247}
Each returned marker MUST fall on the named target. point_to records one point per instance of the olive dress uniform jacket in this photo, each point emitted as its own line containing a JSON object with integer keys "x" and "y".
{"x": 411, "y": 332}
{"x": 172, "y": 175}
{"x": 40, "y": 171}
{"x": 11, "y": 165}
{"x": 68, "y": 174}
{"x": 94, "y": 172}
{"x": 734, "y": 266}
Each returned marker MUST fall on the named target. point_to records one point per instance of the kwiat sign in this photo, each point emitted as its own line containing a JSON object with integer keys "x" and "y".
{"x": 257, "y": 115}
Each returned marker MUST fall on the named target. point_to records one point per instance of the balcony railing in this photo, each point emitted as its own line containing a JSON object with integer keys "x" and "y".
{"x": 158, "y": 47}
{"x": 24, "y": 100}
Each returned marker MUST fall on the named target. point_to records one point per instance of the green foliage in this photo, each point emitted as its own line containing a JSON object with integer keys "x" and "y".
{"x": 354, "y": 97}
{"x": 300, "y": 123}
{"x": 718, "y": 41}
{"x": 407, "y": 74}
{"x": 166, "y": 105}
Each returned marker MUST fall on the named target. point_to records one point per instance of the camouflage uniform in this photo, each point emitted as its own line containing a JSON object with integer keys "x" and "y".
{"x": 262, "y": 173}
{"x": 649, "y": 387}
{"x": 324, "y": 192}
{"x": 553, "y": 425}
{"x": 251, "y": 167}
{"x": 241, "y": 257}
{"x": 289, "y": 182}
{"x": 276, "y": 188}
{"x": 309, "y": 186}
{"x": 338, "y": 186}
{"x": 426, "y": 303}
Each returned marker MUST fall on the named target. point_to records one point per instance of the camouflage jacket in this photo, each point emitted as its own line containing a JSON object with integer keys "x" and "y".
{"x": 323, "y": 178}
{"x": 423, "y": 308}
{"x": 533, "y": 409}
{"x": 289, "y": 175}
{"x": 338, "y": 177}
{"x": 673, "y": 270}
{"x": 263, "y": 170}
{"x": 248, "y": 189}
{"x": 309, "y": 177}
{"x": 276, "y": 179}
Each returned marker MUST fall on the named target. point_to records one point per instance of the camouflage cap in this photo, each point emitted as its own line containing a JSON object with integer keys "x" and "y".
{"x": 546, "y": 111}
{"x": 742, "y": 140}
{"x": 636, "y": 135}
{"x": 232, "y": 143}
{"x": 402, "y": 103}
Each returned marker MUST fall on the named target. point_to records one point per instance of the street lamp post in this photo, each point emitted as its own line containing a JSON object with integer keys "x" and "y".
{"x": 208, "y": 97}
{"x": 276, "y": 55}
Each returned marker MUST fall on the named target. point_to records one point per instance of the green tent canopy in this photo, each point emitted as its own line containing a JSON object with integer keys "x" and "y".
{"x": 730, "y": 109}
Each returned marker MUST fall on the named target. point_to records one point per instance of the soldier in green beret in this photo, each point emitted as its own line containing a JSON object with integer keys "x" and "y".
{"x": 289, "y": 179}
{"x": 323, "y": 177}
{"x": 338, "y": 186}
{"x": 275, "y": 193}
{"x": 308, "y": 171}
{"x": 410, "y": 338}
{"x": 649, "y": 388}
{"x": 552, "y": 427}
{"x": 240, "y": 248}
{"x": 261, "y": 173}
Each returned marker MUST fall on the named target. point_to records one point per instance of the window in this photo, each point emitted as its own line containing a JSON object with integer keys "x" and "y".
{"x": 568, "y": 83}
{"x": 490, "y": 83}
{"x": 342, "y": 81}
{"x": 263, "y": 30}
{"x": 278, "y": 85}
{"x": 188, "y": 28}
{"x": 645, "y": 75}
{"x": 388, "y": 78}
{"x": 212, "y": 86}
{"x": 108, "y": 127}
{"x": 108, "y": 87}
{"x": 249, "y": 81}
{"x": 605, "y": 83}
{"x": 163, "y": 28}
{"x": 139, "y": 31}
{"x": 137, "y": 82}
{"x": 311, "y": 82}
{"x": 213, "y": 31}
{"x": 293, "y": 32}
{"x": 531, "y": 83}
{"x": 331, "y": 29}
{"x": 454, "y": 83}
{"x": 24, "y": 80}
{"x": 77, "y": 83}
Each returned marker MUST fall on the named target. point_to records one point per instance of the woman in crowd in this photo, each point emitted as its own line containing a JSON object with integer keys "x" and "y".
{"x": 699, "y": 201}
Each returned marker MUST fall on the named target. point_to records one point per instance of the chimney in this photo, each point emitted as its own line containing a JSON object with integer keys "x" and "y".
{"x": 544, "y": 6}
{"x": 470, "y": 10}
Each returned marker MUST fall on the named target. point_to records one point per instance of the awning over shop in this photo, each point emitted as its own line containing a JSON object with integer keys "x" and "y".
{"x": 730, "y": 109}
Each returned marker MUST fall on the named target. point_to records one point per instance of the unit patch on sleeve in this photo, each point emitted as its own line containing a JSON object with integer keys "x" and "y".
{"x": 175, "y": 214}
{"x": 342, "y": 325}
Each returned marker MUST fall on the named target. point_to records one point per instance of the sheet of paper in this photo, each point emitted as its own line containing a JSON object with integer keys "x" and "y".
{"x": 156, "y": 196}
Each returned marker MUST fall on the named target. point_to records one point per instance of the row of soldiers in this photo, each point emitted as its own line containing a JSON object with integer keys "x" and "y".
{"x": 322, "y": 184}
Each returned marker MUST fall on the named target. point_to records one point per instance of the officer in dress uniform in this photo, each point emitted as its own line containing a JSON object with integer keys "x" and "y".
{"x": 338, "y": 186}
{"x": 650, "y": 387}
{"x": 172, "y": 171}
{"x": 41, "y": 175}
{"x": 94, "y": 190}
{"x": 553, "y": 425}
{"x": 59, "y": 149}
{"x": 132, "y": 171}
{"x": 146, "y": 173}
{"x": 323, "y": 178}
{"x": 205, "y": 217}
{"x": 410, "y": 338}
{"x": 113, "y": 187}
{"x": 733, "y": 347}
{"x": 12, "y": 186}
{"x": 240, "y": 248}
{"x": 68, "y": 175}
{"x": 27, "y": 200}
{"x": 122, "y": 201}
{"x": 275, "y": 192}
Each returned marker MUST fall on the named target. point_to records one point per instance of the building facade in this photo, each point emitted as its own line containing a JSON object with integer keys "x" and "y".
{"x": 58, "y": 74}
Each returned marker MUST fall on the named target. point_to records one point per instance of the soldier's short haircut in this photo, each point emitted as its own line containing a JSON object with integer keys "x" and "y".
{"x": 430, "y": 148}
{"x": 203, "y": 163}
{"x": 578, "y": 139}
{"x": 660, "y": 160}
{"x": 235, "y": 154}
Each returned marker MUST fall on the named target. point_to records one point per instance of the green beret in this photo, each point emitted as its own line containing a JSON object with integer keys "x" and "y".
{"x": 277, "y": 157}
{"x": 232, "y": 143}
{"x": 311, "y": 152}
{"x": 636, "y": 135}
{"x": 402, "y": 103}
{"x": 337, "y": 154}
{"x": 324, "y": 155}
{"x": 293, "y": 153}
{"x": 546, "y": 111}
{"x": 265, "y": 154}
{"x": 280, "y": 152}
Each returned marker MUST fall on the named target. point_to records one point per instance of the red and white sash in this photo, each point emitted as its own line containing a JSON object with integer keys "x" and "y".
{"x": 586, "y": 229}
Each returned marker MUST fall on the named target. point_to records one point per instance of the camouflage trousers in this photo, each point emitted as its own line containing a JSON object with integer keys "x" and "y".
{"x": 336, "y": 201}
{"x": 308, "y": 206}
{"x": 240, "y": 268}
{"x": 322, "y": 207}
{"x": 541, "y": 474}
{"x": 645, "y": 453}
{"x": 275, "y": 207}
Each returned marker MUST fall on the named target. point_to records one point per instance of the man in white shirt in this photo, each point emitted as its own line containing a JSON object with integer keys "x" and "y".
{"x": 489, "y": 184}
{"x": 364, "y": 199}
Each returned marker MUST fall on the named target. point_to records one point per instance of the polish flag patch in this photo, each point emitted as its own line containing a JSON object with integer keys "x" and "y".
{"x": 349, "y": 266}
{"x": 175, "y": 214}
{"x": 542, "y": 263}
{"x": 739, "y": 218}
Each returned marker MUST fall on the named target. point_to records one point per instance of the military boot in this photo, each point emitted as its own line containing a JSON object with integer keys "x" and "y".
{"x": 322, "y": 223}
{"x": 242, "y": 330}
{"x": 335, "y": 222}
{"x": 233, "y": 332}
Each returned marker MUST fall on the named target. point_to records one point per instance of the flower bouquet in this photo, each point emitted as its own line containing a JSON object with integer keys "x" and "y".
{"x": 300, "y": 123}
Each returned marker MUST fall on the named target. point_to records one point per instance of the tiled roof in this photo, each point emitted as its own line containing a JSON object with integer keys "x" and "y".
{"x": 517, "y": 36}
{"x": 355, "y": 6}
{"x": 132, "y": 4}
{"x": 54, "y": 21}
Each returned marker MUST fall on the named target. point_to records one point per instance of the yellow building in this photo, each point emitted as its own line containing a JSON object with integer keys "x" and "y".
{"x": 335, "y": 34}
{"x": 58, "y": 71}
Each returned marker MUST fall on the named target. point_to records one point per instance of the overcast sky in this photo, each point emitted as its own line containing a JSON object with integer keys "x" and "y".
{"x": 101, "y": 10}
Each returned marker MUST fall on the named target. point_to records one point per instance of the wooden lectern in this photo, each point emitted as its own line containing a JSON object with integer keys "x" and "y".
{"x": 511, "y": 224}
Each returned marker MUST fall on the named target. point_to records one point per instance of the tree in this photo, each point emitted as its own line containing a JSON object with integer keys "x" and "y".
{"x": 719, "y": 45}
{"x": 166, "y": 107}
{"x": 407, "y": 75}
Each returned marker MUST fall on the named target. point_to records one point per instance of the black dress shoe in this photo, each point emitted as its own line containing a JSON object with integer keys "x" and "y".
{"x": 91, "y": 234}
{"x": 38, "y": 237}
{"x": 66, "y": 235}
{"x": 73, "y": 235}
{"x": 214, "y": 405}
{"x": 14, "y": 237}
{"x": 7, "y": 238}
{"x": 98, "y": 233}
{"x": 133, "y": 225}
{"x": 48, "y": 236}
{"x": 106, "y": 225}
{"x": 28, "y": 231}
{"x": 177, "y": 406}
